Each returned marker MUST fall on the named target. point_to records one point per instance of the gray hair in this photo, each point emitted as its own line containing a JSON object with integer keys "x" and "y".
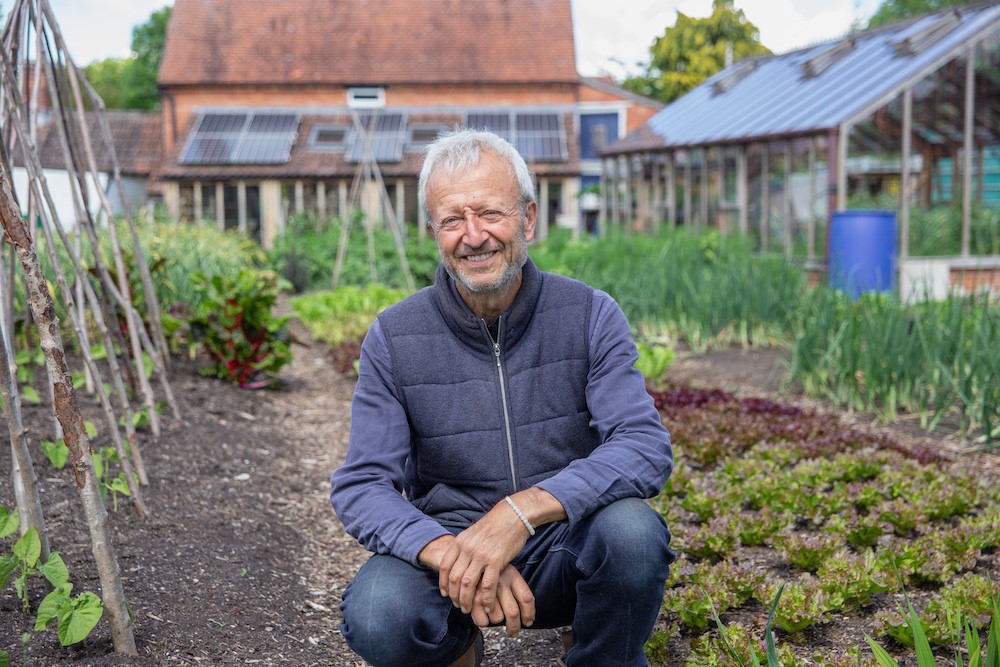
{"x": 461, "y": 149}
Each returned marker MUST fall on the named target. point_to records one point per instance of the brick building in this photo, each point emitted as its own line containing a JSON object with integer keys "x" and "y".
{"x": 274, "y": 108}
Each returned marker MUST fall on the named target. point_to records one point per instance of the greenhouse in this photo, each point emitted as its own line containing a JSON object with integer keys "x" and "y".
{"x": 905, "y": 118}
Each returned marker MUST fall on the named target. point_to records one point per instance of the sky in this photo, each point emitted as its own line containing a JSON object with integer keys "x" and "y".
{"x": 611, "y": 35}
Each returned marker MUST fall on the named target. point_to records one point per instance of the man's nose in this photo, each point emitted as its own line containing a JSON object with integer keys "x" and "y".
{"x": 474, "y": 229}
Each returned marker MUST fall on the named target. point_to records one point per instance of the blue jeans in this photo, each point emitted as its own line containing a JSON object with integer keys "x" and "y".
{"x": 603, "y": 576}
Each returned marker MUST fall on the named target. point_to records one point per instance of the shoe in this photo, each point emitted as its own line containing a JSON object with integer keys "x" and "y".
{"x": 567, "y": 643}
{"x": 472, "y": 656}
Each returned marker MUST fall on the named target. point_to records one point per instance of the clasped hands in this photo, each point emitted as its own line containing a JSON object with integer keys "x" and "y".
{"x": 474, "y": 570}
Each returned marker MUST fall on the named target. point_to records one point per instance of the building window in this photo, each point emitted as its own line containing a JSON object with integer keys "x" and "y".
{"x": 328, "y": 137}
{"x": 366, "y": 97}
{"x": 598, "y": 137}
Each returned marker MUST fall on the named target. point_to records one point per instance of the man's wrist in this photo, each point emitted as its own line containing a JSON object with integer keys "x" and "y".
{"x": 538, "y": 506}
{"x": 430, "y": 556}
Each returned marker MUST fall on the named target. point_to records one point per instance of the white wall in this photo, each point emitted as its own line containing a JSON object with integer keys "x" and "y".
{"x": 58, "y": 183}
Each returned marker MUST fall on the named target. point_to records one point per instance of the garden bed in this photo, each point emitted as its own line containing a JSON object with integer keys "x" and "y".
{"x": 242, "y": 561}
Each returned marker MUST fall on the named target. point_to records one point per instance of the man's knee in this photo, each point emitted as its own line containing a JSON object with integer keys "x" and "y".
{"x": 392, "y": 610}
{"x": 634, "y": 536}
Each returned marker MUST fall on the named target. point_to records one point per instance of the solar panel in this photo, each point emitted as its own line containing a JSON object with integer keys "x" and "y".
{"x": 241, "y": 138}
{"x": 537, "y": 136}
{"x": 386, "y": 138}
{"x": 496, "y": 122}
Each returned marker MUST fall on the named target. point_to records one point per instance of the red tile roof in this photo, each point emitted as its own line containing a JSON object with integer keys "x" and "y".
{"x": 369, "y": 42}
{"x": 137, "y": 138}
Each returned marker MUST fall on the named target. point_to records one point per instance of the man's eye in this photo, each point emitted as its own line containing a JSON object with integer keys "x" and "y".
{"x": 491, "y": 215}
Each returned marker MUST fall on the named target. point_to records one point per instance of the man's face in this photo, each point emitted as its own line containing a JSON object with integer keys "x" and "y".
{"x": 482, "y": 236}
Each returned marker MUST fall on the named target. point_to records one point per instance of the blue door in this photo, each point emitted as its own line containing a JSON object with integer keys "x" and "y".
{"x": 597, "y": 131}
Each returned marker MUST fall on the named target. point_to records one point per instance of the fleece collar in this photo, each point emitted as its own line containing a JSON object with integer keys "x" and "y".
{"x": 468, "y": 327}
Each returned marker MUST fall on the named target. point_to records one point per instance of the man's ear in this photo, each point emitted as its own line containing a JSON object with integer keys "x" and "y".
{"x": 530, "y": 216}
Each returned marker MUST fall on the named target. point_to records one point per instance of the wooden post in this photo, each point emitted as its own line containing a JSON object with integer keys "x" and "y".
{"x": 765, "y": 196}
{"x": 742, "y": 190}
{"x": 968, "y": 147}
{"x": 68, "y": 413}
{"x": 905, "y": 196}
{"x": 198, "y": 204}
{"x": 671, "y": 191}
{"x": 789, "y": 221}
{"x": 810, "y": 213}
{"x": 220, "y": 206}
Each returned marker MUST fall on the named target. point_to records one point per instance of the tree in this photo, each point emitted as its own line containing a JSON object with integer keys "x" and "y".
{"x": 106, "y": 77}
{"x": 891, "y": 11}
{"x": 130, "y": 83}
{"x": 694, "y": 49}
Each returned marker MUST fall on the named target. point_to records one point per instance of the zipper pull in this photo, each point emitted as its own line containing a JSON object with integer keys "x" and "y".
{"x": 496, "y": 351}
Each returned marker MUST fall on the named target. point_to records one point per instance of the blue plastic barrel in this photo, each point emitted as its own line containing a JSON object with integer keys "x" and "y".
{"x": 863, "y": 251}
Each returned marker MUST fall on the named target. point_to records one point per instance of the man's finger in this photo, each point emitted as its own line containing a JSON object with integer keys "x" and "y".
{"x": 511, "y": 612}
{"x": 525, "y": 599}
{"x": 447, "y": 563}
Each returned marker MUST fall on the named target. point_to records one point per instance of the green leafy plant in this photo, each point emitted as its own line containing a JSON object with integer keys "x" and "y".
{"x": 103, "y": 459}
{"x": 345, "y": 313}
{"x": 237, "y": 329}
{"x": 968, "y": 600}
{"x": 653, "y": 362}
{"x": 922, "y": 647}
{"x": 771, "y": 650}
{"x": 806, "y": 602}
{"x": 75, "y": 616}
{"x": 57, "y": 452}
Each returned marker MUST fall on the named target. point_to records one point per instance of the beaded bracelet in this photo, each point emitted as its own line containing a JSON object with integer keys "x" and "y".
{"x": 520, "y": 515}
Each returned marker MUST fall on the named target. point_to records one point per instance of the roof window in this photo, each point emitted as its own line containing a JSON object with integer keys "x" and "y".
{"x": 927, "y": 36}
{"x": 826, "y": 59}
{"x": 328, "y": 137}
{"x": 422, "y": 135}
{"x": 733, "y": 76}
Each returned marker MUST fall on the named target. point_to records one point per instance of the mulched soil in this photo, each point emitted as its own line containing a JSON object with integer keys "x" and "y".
{"x": 242, "y": 561}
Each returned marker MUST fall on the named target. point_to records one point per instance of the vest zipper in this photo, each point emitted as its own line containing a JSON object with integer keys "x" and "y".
{"x": 503, "y": 395}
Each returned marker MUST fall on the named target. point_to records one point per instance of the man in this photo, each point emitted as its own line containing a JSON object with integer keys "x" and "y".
{"x": 501, "y": 445}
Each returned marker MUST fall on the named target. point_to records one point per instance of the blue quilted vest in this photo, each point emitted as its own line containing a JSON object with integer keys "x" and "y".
{"x": 482, "y": 429}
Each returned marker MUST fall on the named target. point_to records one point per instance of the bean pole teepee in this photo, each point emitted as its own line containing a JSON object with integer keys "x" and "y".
{"x": 366, "y": 176}
{"x": 39, "y": 83}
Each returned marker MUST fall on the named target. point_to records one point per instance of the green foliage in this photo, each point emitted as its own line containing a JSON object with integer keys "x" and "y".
{"x": 709, "y": 289}
{"x": 343, "y": 314}
{"x": 107, "y": 77}
{"x": 910, "y": 628}
{"x": 103, "y": 459}
{"x": 306, "y": 255}
{"x": 694, "y": 49}
{"x": 653, "y": 361}
{"x": 131, "y": 83}
{"x": 236, "y": 328}
{"x": 76, "y": 616}
{"x": 891, "y": 11}
{"x": 176, "y": 253}
{"x": 968, "y": 599}
{"x": 739, "y": 645}
{"x": 879, "y": 354}
{"x": 57, "y": 452}
{"x": 818, "y": 494}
